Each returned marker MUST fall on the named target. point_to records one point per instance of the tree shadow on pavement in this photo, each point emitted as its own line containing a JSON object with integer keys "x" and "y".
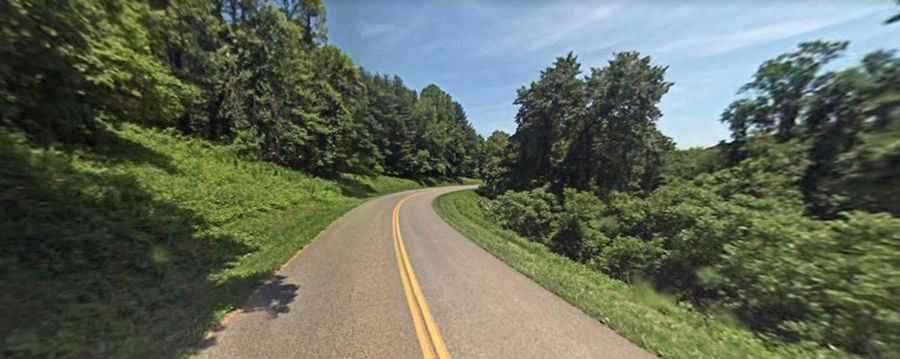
{"x": 273, "y": 297}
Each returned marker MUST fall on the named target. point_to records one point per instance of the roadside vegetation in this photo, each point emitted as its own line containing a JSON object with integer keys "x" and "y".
{"x": 789, "y": 229}
{"x": 159, "y": 159}
{"x": 637, "y": 311}
{"x": 137, "y": 247}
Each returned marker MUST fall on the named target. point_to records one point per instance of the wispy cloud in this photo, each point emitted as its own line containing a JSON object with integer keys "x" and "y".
{"x": 542, "y": 27}
{"x": 714, "y": 44}
{"x": 555, "y": 32}
{"x": 369, "y": 31}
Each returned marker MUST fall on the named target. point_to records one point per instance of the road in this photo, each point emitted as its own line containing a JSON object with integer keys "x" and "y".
{"x": 362, "y": 290}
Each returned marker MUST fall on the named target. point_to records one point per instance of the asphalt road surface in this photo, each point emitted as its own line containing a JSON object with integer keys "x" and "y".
{"x": 365, "y": 290}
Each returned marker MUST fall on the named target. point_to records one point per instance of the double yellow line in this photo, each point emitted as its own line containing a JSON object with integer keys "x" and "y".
{"x": 426, "y": 330}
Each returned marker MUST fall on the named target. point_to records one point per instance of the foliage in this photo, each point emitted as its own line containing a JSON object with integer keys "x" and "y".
{"x": 597, "y": 133}
{"x": 493, "y": 160}
{"x": 830, "y": 282}
{"x": 531, "y": 214}
{"x": 67, "y": 64}
{"x": 137, "y": 247}
{"x": 257, "y": 74}
{"x": 736, "y": 240}
{"x": 650, "y": 320}
{"x": 616, "y": 146}
{"x": 868, "y": 174}
{"x": 692, "y": 162}
{"x": 774, "y": 227}
{"x": 425, "y": 136}
{"x": 834, "y": 112}
{"x": 546, "y": 109}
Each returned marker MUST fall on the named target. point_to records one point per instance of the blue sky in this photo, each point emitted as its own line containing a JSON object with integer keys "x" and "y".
{"x": 482, "y": 51}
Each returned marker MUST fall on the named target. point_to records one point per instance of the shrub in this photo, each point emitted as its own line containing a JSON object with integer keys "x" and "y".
{"x": 532, "y": 214}
{"x": 581, "y": 235}
{"x": 833, "y": 282}
{"x": 737, "y": 239}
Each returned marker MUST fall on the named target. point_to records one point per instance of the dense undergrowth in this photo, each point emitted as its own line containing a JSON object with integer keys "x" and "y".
{"x": 656, "y": 322}
{"x": 734, "y": 241}
{"x": 136, "y": 248}
{"x": 791, "y": 227}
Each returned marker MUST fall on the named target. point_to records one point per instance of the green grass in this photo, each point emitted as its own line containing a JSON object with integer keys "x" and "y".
{"x": 648, "y": 319}
{"x": 467, "y": 181}
{"x": 136, "y": 248}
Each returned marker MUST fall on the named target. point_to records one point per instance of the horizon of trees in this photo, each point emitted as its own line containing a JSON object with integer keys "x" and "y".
{"x": 255, "y": 74}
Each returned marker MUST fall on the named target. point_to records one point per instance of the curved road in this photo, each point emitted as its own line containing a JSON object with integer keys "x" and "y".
{"x": 356, "y": 292}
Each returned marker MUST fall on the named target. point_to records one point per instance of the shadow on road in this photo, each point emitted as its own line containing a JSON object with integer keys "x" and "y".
{"x": 273, "y": 297}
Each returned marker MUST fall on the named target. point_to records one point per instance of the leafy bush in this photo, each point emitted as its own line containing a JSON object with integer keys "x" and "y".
{"x": 869, "y": 173}
{"x": 529, "y": 213}
{"x": 581, "y": 234}
{"x": 637, "y": 312}
{"x": 692, "y": 162}
{"x": 736, "y": 239}
{"x": 834, "y": 282}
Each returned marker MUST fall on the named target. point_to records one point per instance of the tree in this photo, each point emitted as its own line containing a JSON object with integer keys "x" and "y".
{"x": 741, "y": 116}
{"x": 782, "y": 83}
{"x": 188, "y": 36}
{"x": 311, "y": 15}
{"x": 615, "y": 145}
{"x": 546, "y": 109}
{"x": 445, "y": 144}
{"x": 68, "y": 64}
{"x": 852, "y": 119}
{"x": 278, "y": 117}
{"x": 494, "y": 163}
{"x": 493, "y": 152}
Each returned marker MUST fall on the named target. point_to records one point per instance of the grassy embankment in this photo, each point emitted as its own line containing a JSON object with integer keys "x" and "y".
{"x": 648, "y": 319}
{"x": 137, "y": 247}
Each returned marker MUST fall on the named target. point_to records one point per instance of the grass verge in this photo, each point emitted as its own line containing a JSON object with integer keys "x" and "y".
{"x": 636, "y": 312}
{"x": 138, "y": 246}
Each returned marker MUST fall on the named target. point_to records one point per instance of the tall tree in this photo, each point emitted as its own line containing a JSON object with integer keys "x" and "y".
{"x": 310, "y": 14}
{"x": 494, "y": 162}
{"x": 615, "y": 144}
{"x": 781, "y": 83}
{"x": 546, "y": 109}
{"x": 740, "y": 117}
{"x": 189, "y": 37}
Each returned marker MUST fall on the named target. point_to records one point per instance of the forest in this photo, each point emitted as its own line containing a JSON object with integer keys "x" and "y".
{"x": 791, "y": 226}
{"x": 258, "y": 75}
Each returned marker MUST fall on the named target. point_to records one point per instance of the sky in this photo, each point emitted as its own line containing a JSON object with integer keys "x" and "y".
{"x": 482, "y": 51}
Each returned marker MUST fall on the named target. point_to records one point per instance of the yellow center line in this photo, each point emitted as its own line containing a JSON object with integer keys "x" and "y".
{"x": 427, "y": 331}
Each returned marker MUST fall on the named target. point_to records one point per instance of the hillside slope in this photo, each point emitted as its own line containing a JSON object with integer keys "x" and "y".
{"x": 139, "y": 246}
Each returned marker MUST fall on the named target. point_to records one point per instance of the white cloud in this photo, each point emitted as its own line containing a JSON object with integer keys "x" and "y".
{"x": 541, "y": 27}
{"x": 708, "y": 45}
{"x": 555, "y": 32}
{"x": 375, "y": 30}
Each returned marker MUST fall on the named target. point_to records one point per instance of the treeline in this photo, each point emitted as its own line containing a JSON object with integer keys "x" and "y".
{"x": 791, "y": 226}
{"x": 257, "y": 74}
